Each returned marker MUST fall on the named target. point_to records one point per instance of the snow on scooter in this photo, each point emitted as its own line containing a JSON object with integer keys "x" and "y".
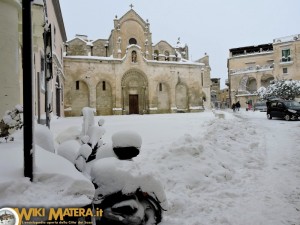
{"x": 124, "y": 193}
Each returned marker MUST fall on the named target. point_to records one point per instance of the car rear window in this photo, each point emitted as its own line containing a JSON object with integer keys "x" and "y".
{"x": 260, "y": 104}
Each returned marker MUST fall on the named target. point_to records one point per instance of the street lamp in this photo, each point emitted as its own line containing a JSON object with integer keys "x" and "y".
{"x": 28, "y": 143}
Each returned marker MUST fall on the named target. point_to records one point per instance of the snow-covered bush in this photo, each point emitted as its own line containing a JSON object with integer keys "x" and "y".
{"x": 71, "y": 133}
{"x": 84, "y": 152}
{"x": 69, "y": 150}
{"x": 88, "y": 119}
{"x": 285, "y": 89}
{"x": 11, "y": 122}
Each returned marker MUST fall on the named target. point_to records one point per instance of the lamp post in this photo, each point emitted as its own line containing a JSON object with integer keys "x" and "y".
{"x": 27, "y": 89}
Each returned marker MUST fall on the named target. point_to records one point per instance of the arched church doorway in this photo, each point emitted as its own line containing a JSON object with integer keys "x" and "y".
{"x": 134, "y": 104}
{"x": 134, "y": 92}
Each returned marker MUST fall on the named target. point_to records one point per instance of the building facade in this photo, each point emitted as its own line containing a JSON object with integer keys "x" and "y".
{"x": 252, "y": 67}
{"x": 128, "y": 74}
{"x": 48, "y": 58}
{"x": 10, "y": 55}
{"x": 45, "y": 14}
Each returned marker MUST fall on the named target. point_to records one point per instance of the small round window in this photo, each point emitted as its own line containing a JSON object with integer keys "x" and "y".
{"x": 132, "y": 41}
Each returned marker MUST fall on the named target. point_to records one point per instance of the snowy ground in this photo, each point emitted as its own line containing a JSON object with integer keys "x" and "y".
{"x": 241, "y": 170}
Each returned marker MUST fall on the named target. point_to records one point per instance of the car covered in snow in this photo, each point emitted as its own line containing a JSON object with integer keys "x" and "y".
{"x": 260, "y": 106}
{"x": 286, "y": 109}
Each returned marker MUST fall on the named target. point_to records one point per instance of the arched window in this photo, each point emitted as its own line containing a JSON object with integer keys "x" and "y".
{"x": 103, "y": 86}
{"x": 132, "y": 41}
{"x": 167, "y": 54}
{"x": 160, "y": 86}
{"x": 156, "y": 53}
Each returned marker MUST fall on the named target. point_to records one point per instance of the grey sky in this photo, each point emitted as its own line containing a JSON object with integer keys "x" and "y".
{"x": 211, "y": 26}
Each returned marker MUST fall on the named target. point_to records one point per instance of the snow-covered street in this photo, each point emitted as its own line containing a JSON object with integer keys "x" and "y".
{"x": 240, "y": 169}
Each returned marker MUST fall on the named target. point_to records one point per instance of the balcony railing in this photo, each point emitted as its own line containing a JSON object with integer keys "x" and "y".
{"x": 286, "y": 59}
{"x": 253, "y": 69}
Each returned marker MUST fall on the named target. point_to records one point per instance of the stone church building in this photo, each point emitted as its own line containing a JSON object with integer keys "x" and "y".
{"x": 128, "y": 74}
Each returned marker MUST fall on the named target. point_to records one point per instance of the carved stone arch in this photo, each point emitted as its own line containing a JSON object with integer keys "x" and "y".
{"x": 134, "y": 75}
{"x": 181, "y": 96}
{"x": 163, "y": 97}
{"x": 104, "y": 98}
{"x": 251, "y": 85}
{"x": 134, "y": 92}
{"x": 266, "y": 79}
{"x": 80, "y": 97}
{"x": 248, "y": 84}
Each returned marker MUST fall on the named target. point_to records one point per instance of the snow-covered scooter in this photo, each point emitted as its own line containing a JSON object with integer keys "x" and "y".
{"x": 125, "y": 195}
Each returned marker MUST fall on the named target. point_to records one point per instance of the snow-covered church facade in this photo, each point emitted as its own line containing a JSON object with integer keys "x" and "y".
{"x": 128, "y": 74}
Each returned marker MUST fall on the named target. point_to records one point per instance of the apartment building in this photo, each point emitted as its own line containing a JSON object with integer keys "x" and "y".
{"x": 252, "y": 67}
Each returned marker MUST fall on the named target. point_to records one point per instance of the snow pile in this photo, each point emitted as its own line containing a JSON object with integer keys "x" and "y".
{"x": 69, "y": 150}
{"x": 70, "y": 133}
{"x": 208, "y": 167}
{"x": 56, "y": 181}
{"x": 43, "y": 137}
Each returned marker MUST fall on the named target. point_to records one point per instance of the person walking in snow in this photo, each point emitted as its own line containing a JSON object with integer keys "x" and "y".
{"x": 233, "y": 107}
{"x": 249, "y": 104}
{"x": 238, "y": 105}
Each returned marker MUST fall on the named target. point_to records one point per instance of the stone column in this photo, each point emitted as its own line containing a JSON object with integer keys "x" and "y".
{"x": 10, "y": 80}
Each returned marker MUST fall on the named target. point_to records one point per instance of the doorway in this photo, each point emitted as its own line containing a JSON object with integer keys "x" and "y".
{"x": 133, "y": 104}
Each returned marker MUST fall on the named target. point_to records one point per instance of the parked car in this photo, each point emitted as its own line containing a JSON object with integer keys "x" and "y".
{"x": 286, "y": 109}
{"x": 260, "y": 106}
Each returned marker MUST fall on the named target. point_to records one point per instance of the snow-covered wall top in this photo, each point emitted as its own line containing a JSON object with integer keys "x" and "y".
{"x": 287, "y": 38}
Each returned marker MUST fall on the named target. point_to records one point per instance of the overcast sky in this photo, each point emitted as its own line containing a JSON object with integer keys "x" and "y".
{"x": 210, "y": 26}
